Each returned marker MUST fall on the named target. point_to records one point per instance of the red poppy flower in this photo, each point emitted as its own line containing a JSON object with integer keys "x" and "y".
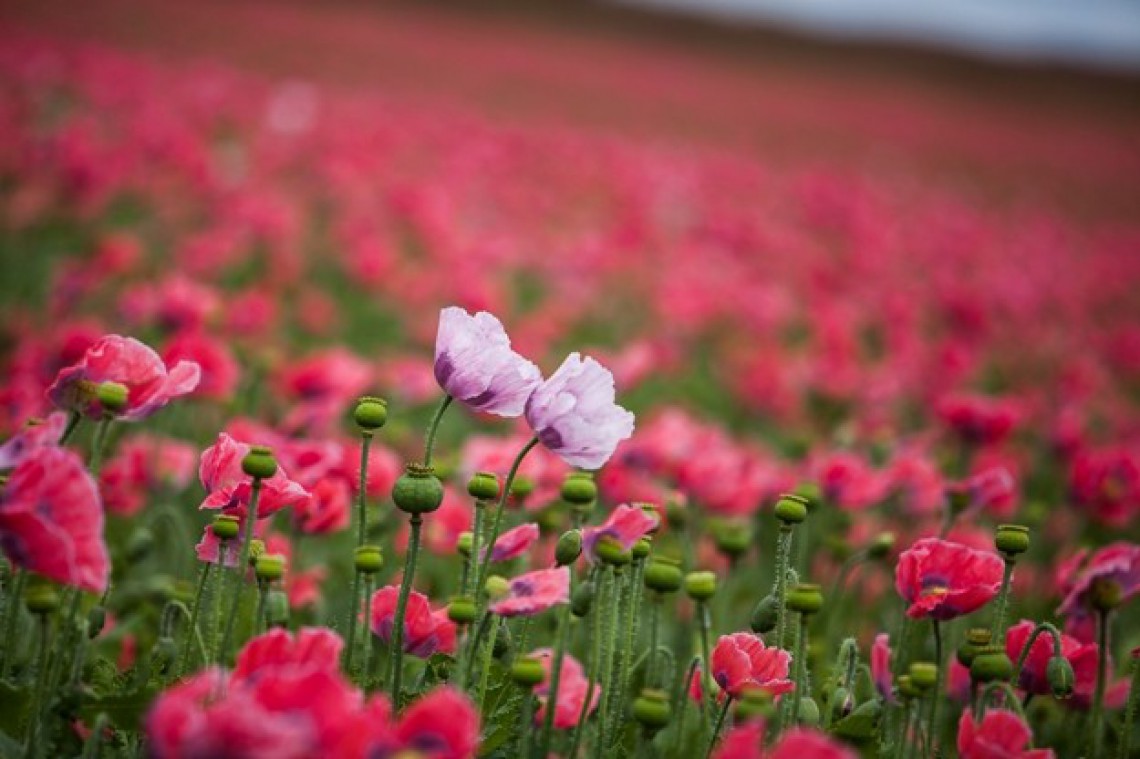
{"x": 326, "y": 510}
{"x": 312, "y": 648}
{"x": 573, "y": 686}
{"x": 444, "y": 724}
{"x": 141, "y": 465}
{"x": 229, "y": 488}
{"x": 150, "y": 386}
{"x": 1001, "y": 735}
{"x": 515, "y": 542}
{"x": 742, "y": 742}
{"x": 425, "y": 631}
{"x": 51, "y": 520}
{"x": 220, "y": 370}
{"x": 943, "y": 580}
{"x": 626, "y": 524}
{"x": 741, "y": 661}
{"x": 534, "y": 593}
{"x": 1034, "y": 678}
{"x": 979, "y": 420}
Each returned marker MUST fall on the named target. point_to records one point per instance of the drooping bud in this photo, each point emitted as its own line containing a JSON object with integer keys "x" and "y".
{"x": 370, "y": 413}
{"x": 991, "y": 664}
{"x": 976, "y": 639}
{"x": 462, "y": 610}
{"x": 791, "y": 509}
{"x": 700, "y": 586}
{"x": 1061, "y": 677}
{"x": 1012, "y": 539}
{"x": 483, "y": 486}
{"x": 765, "y": 615}
{"x": 226, "y": 527}
{"x": 804, "y": 598}
{"x": 112, "y": 396}
{"x": 368, "y": 559}
{"x": 569, "y": 548}
{"x": 582, "y": 599}
{"x": 527, "y": 672}
{"x": 269, "y": 567}
{"x": 259, "y": 463}
{"x": 651, "y": 710}
{"x": 663, "y": 574}
{"x": 417, "y": 491}
{"x": 579, "y": 489}
{"x": 923, "y": 674}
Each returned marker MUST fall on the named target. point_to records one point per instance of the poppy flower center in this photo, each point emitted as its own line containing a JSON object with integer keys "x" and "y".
{"x": 935, "y": 585}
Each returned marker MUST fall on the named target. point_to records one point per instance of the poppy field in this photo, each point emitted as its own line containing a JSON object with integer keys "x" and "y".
{"x": 342, "y": 425}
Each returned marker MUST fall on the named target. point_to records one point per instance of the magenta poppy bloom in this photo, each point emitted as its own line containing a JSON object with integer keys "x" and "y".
{"x": 1034, "y": 677}
{"x": 220, "y": 370}
{"x": 425, "y": 631}
{"x": 327, "y": 509}
{"x": 626, "y": 524}
{"x": 310, "y": 648}
{"x": 515, "y": 542}
{"x": 977, "y": 419}
{"x": 51, "y": 520}
{"x": 33, "y": 437}
{"x": 881, "y": 666}
{"x": 574, "y": 414}
{"x": 142, "y": 464}
{"x": 573, "y": 686}
{"x": 942, "y": 580}
{"x": 229, "y": 488}
{"x": 803, "y": 742}
{"x": 1117, "y": 563}
{"x": 741, "y": 661}
{"x": 991, "y": 488}
{"x": 150, "y": 385}
{"x": 443, "y": 724}
{"x": 475, "y": 365}
{"x": 534, "y": 593}
{"x": 1001, "y": 733}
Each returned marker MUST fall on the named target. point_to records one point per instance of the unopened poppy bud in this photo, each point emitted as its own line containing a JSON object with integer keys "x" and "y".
{"x": 881, "y": 546}
{"x": 582, "y": 599}
{"x": 641, "y": 549}
{"x": 503, "y": 643}
{"x": 804, "y": 598}
{"x": 700, "y": 586}
{"x": 225, "y": 527}
{"x": 368, "y": 559}
{"x": 484, "y": 486}
{"x": 527, "y": 672}
{"x": 277, "y": 608}
{"x": 923, "y": 674}
{"x": 651, "y": 709}
{"x": 465, "y": 543}
{"x": 521, "y": 487}
{"x": 765, "y": 615}
{"x": 417, "y": 491}
{"x": 497, "y": 587}
{"x": 269, "y": 567}
{"x": 991, "y": 664}
{"x": 791, "y": 509}
{"x": 259, "y": 463}
{"x": 1012, "y": 539}
{"x": 609, "y": 550}
{"x": 41, "y": 597}
{"x": 96, "y": 620}
{"x": 1061, "y": 677}
{"x": 663, "y": 574}
{"x": 733, "y": 538}
{"x": 976, "y": 639}
{"x": 754, "y": 703}
{"x": 809, "y": 712}
{"x": 112, "y": 396}
{"x": 1106, "y": 594}
{"x": 461, "y": 610}
{"x": 139, "y": 544}
{"x": 370, "y": 413}
{"x": 569, "y": 548}
{"x": 579, "y": 489}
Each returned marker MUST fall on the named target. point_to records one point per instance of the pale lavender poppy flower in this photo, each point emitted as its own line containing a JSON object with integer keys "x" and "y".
{"x": 475, "y": 365}
{"x": 574, "y": 415}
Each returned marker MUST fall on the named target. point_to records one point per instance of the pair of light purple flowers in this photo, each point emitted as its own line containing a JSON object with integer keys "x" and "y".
{"x": 572, "y": 413}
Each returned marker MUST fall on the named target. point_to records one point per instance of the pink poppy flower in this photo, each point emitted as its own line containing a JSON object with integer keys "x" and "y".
{"x": 1106, "y": 484}
{"x": 881, "y": 667}
{"x": 35, "y": 436}
{"x": 626, "y": 524}
{"x": 229, "y": 488}
{"x": 475, "y": 365}
{"x": 51, "y": 520}
{"x": 572, "y": 688}
{"x": 1001, "y": 735}
{"x": 220, "y": 370}
{"x": 1034, "y": 678}
{"x": 443, "y": 724}
{"x": 515, "y": 542}
{"x": 326, "y": 510}
{"x": 741, "y": 661}
{"x": 1117, "y": 563}
{"x": 849, "y": 482}
{"x": 978, "y": 420}
{"x": 310, "y": 648}
{"x": 959, "y": 685}
{"x": 943, "y": 580}
{"x": 574, "y": 415}
{"x": 425, "y": 631}
{"x": 534, "y": 592}
{"x": 141, "y": 466}
{"x": 991, "y": 489}
{"x": 150, "y": 386}
{"x": 802, "y": 742}
{"x": 742, "y": 742}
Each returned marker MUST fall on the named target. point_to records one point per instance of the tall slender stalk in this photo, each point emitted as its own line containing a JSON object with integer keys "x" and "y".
{"x": 1097, "y": 715}
{"x": 12, "y": 617}
{"x": 429, "y": 442}
{"x": 1129, "y": 724}
{"x": 396, "y": 649}
{"x": 936, "y": 692}
{"x": 780, "y": 589}
{"x": 243, "y": 565}
{"x": 203, "y": 578}
{"x": 718, "y": 725}
{"x": 1001, "y": 606}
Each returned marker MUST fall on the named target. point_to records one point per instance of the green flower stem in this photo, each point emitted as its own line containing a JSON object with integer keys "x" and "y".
{"x": 362, "y": 496}
{"x": 903, "y": 638}
{"x": 522, "y": 638}
{"x": 429, "y": 441}
{"x": 216, "y": 588}
{"x": 16, "y": 585}
{"x": 914, "y": 729}
{"x": 604, "y": 586}
{"x": 560, "y": 635}
{"x": 679, "y": 703}
{"x": 396, "y": 649}
{"x": 655, "y": 603}
{"x": 625, "y": 651}
{"x": 243, "y": 565}
{"x": 780, "y": 588}
{"x": 1001, "y": 607}
{"x": 470, "y": 565}
{"x": 1009, "y": 702}
{"x": 366, "y": 627}
{"x": 526, "y": 724}
{"x": 1130, "y": 712}
{"x": 485, "y": 663}
{"x": 718, "y": 725}
{"x": 203, "y": 578}
{"x": 936, "y": 692}
{"x": 800, "y": 676}
{"x": 611, "y": 619}
{"x": 352, "y": 623}
{"x": 259, "y": 616}
{"x": 1043, "y": 627}
{"x": 73, "y": 422}
{"x": 1101, "y": 683}
{"x": 97, "y": 445}
{"x": 848, "y": 662}
{"x": 901, "y": 736}
{"x": 706, "y": 659}
{"x": 41, "y": 684}
{"x": 835, "y": 605}
{"x": 633, "y": 629}
{"x": 93, "y": 746}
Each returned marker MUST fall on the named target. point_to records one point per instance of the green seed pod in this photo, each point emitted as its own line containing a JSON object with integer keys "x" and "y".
{"x": 484, "y": 486}
{"x": 976, "y": 639}
{"x": 1106, "y": 594}
{"x": 609, "y": 550}
{"x": 41, "y": 597}
{"x": 840, "y": 703}
{"x": 907, "y": 689}
{"x": 226, "y": 527}
{"x": 809, "y": 712}
{"x": 579, "y": 489}
{"x": 791, "y": 509}
{"x": 465, "y": 543}
{"x": 764, "y": 616}
{"x": 462, "y": 610}
{"x": 112, "y": 396}
{"x": 370, "y": 413}
{"x": 1061, "y": 677}
{"x": 651, "y": 710}
{"x": 569, "y": 548}
{"x": 527, "y": 672}
{"x": 269, "y": 567}
{"x": 582, "y": 599}
{"x": 521, "y": 487}
{"x": 497, "y": 587}
{"x": 923, "y": 675}
{"x": 700, "y": 586}
{"x": 641, "y": 549}
{"x": 663, "y": 574}
{"x": 139, "y": 544}
{"x": 1012, "y": 539}
{"x": 277, "y": 608}
{"x": 368, "y": 559}
{"x": 417, "y": 491}
{"x": 804, "y": 598}
{"x": 259, "y": 463}
{"x": 991, "y": 664}
{"x": 881, "y": 546}
{"x": 733, "y": 538}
